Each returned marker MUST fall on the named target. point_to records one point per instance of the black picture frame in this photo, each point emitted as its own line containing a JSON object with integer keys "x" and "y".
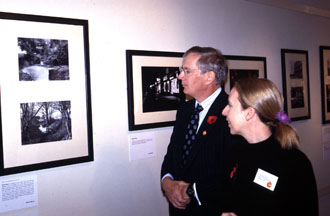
{"x": 295, "y": 78}
{"x": 154, "y": 93}
{"x": 244, "y": 67}
{"x": 45, "y": 105}
{"x": 325, "y": 82}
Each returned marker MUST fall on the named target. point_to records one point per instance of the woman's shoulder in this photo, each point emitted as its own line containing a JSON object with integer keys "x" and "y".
{"x": 297, "y": 154}
{"x": 298, "y": 159}
{"x": 291, "y": 154}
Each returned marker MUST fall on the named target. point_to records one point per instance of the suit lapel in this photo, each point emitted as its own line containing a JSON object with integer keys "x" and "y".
{"x": 215, "y": 110}
{"x": 182, "y": 127}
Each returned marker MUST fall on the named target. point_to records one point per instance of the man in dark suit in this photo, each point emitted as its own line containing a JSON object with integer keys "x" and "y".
{"x": 192, "y": 182}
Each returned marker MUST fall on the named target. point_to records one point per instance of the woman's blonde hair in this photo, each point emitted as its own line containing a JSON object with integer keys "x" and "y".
{"x": 267, "y": 100}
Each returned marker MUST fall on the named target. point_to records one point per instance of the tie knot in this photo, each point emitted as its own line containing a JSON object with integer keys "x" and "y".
{"x": 198, "y": 108}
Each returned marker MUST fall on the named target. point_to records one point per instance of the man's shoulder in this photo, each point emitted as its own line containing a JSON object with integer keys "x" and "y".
{"x": 223, "y": 96}
{"x": 184, "y": 107}
{"x": 187, "y": 104}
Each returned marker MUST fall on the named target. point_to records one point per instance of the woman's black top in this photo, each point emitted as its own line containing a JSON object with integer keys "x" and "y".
{"x": 295, "y": 192}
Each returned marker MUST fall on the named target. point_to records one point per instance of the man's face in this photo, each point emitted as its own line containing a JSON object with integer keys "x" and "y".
{"x": 192, "y": 79}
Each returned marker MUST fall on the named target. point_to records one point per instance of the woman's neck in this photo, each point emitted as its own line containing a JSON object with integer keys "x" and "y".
{"x": 257, "y": 133}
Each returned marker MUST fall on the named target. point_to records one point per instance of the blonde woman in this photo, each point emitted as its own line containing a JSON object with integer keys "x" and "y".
{"x": 269, "y": 174}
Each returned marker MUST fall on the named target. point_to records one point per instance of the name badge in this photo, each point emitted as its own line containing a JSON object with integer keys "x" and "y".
{"x": 265, "y": 179}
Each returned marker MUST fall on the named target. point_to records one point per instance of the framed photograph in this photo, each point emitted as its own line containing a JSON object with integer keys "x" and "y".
{"x": 242, "y": 67}
{"x": 325, "y": 82}
{"x": 154, "y": 90}
{"x": 45, "y": 93}
{"x": 295, "y": 77}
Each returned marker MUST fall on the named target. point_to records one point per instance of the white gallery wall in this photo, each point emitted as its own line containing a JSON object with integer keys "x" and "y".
{"x": 113, "y": 185}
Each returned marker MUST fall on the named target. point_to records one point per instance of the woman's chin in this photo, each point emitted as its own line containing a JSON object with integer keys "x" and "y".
{"x": 232, "y": 132}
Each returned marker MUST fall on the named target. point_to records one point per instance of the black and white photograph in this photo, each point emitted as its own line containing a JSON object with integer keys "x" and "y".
{"x": 154, "y": 90}
{"x": 325, "y": 82}
{"x": 162, "y": 89}
{"x": 297, "y": 97}
{"x": 45, "y": 122}
{"x": 296, "y": 70}
{"x": 328, "y": 98}
{"x": 43, "y": 59}
{"x": 46, "y": 118}
{"x": 237, "y": 74}
{"x": 243, "y": 67}
{"x": 295, "y": 78}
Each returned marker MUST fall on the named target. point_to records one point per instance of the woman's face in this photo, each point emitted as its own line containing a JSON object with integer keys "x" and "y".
{"x": 235, "y": 115}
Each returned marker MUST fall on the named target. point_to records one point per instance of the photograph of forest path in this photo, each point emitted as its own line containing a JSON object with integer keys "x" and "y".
{"x": 43, "y": 59}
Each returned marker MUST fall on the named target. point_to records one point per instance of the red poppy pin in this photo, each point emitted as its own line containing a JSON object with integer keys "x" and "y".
{"x": 212, "y": 119}
{"x": 233, "y": 172}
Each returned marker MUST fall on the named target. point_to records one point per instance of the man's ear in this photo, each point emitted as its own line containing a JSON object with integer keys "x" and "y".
{"x": 210, "y": 76}
{"x": 250, "y": 113}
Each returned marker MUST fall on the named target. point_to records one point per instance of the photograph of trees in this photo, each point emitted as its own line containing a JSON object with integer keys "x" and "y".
{"x": 45, "y": 122}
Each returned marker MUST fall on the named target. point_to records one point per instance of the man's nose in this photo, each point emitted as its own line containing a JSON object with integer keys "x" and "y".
{"x": 181, "y": 75}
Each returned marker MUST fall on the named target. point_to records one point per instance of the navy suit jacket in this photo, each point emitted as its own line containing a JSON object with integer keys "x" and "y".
{"x": 205, "y": 163}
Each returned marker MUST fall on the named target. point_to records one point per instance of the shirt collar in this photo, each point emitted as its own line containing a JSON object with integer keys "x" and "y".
{"x": 210, "y": 99}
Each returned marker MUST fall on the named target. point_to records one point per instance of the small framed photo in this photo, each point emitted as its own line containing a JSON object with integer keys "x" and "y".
{"x": 45, "y": 118}
{"x": 242, "y": 67}
{"x": 325, "y": 82}
{"x": 295, "y": 77}
{"x": 154, "y": 90}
